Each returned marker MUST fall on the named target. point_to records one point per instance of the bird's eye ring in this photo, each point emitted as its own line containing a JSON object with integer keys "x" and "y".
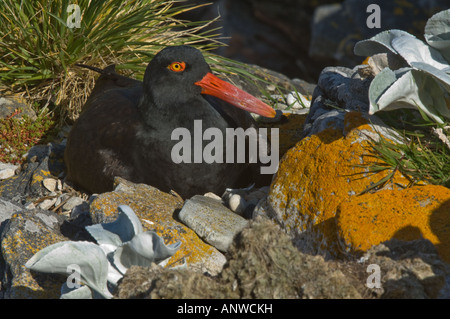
{"x": 177, "y": 66}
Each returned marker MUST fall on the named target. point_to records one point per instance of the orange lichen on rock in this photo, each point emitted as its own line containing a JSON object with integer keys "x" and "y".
{"x": 318, "y": 174}
{"x": 158, "y": 208}
{"x": 408, "y": 214}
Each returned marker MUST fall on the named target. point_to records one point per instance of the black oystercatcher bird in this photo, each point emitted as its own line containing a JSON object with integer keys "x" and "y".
{"x": 126, "y": 125}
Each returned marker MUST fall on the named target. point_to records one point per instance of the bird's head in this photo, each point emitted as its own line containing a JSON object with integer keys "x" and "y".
{"x": 180, "y": 73}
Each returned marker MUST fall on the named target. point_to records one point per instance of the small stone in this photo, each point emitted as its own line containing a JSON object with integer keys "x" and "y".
{"x": 212, "y": 195}
{"x": 50, "y": 184}
{"x": 293, "y": 101}
{"x": 72, "y": 203}
{"x": 7, "y": 170}
{"x": 212, "y": 221}
{"x": 47, "y": 203}
{"x": 62, "y": 198}
{"x": 237, "y": 204}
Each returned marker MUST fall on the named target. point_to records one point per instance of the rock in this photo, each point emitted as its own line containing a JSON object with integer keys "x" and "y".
{"x": 47, "y": 203}
{"x": 262, "y": 264}
{"x": 338, "y": 90}
{"x": 50, "y": 184}
{"x": 72, "y": 202}
{"x": 44, "y": 162}
{"x": 159, "y": 208}
{"x": 242, "y": 201}
{"x": 156, "y": 283}
{"x": 6, "y": 210}
{"x": 25, "y": 234}
{"x": 337, "y": 27}
{"x": 211, "y": 221}
{"x": 237, "y": 204}
{"x": 314, "y": 177}
{"x": 7, "y": 170}
{"x": 406, "y": 214}
{"x": 15, "y": 106}
{"x": 409, "y": 269}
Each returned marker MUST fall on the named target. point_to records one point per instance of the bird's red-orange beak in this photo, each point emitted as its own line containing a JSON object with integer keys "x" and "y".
{"x": 214, "y": 86}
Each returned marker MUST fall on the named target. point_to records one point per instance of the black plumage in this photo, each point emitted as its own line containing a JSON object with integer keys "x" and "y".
{"x": 126, "y": 125}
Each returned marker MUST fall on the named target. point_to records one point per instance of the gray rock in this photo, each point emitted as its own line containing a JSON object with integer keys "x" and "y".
{"x": 339, "y": 91}
{"x": 43, "y": 162}
{"x": 26, "y": 233}
{"x": 7, "y": 170}
{"x": 211, "y": 221}
{"x": 73, "y": 202}
{"x": 6, "y": 210}
{"x": 9, "y": 105}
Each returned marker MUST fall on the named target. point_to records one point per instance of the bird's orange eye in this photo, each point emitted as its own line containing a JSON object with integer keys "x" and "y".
{"x": 177, "y": 66}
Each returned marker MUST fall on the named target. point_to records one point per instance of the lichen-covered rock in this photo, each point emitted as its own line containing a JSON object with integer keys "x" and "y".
{"x": 315, "y": 176}
{"x": 43, "y": 162}
{"x": 262, "y": 263}
{"x": 26, "y": 233}
{"x": 157, "y": 211}
{"x": 407, "y": 214}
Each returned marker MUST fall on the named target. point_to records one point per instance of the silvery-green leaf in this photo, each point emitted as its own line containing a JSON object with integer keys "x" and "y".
{"x": 107, "y": 240}
{"x": 415, "y": 50}
{"x": 83, "y": 292}
{"x": 127, "y": 224}
{"x": 437, "y": 33}
{"x": 381, "y": 83}
{"x": 414, "y": 89}
{"x": 142, "y": 250}
{"x": 88, "y": 257}
{"x": 439, "y": 75}
{"x": 113, "y": 274}
{"x": 380, "y": 43}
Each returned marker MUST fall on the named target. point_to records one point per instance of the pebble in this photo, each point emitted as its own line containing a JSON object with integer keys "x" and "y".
{"x": 7, "y": 170}
{"x": 237, "y": 204}
{"x": 212, "y": 221}
{"x": 50, "y": 184}
{"x": 72, "y": 203}
{"x": 47, "y": 203}
{"x": 292, "y": 100}
{"x": 240, "y": 200}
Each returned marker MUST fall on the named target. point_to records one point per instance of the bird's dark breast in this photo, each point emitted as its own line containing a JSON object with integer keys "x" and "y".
{"x": 110, "y": 139}
{"x": 187, "y": 179}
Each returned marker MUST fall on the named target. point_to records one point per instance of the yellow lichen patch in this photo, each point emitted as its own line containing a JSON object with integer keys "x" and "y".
{"x": 408, "y": 214}
{"x": 319, "y": 173}
{"x": 159, "y": 208}
{"x": 29, "y": 233}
